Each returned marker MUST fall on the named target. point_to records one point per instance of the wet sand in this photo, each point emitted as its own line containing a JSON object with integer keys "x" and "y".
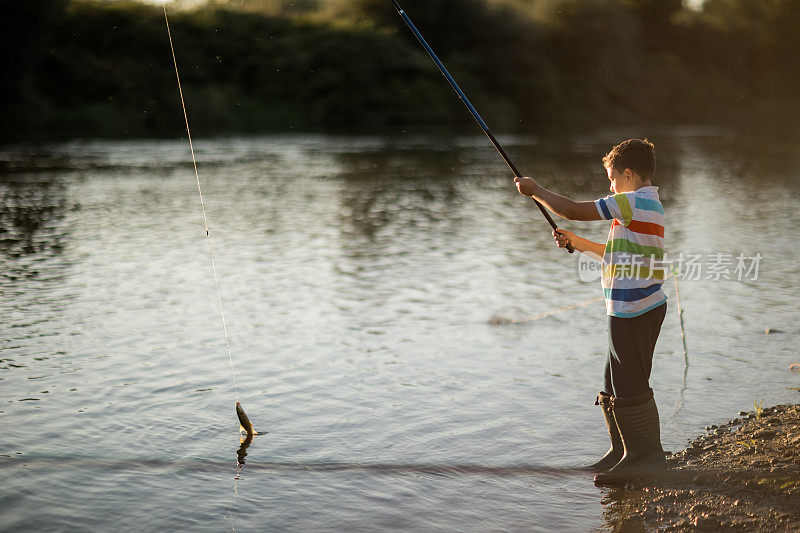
{"x": 740, "y": 476}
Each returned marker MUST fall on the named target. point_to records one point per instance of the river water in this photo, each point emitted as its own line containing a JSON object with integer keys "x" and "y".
{"x": 359, "y": 278}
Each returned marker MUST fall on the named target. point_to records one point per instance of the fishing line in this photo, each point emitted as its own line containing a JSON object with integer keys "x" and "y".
{"x": 205, "y": 219}
{"x": 680, "y": 315}
{"x": 499, "y": 319}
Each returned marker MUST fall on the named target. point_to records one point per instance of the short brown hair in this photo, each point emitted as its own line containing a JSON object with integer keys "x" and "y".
{"x": 636, "y": 154}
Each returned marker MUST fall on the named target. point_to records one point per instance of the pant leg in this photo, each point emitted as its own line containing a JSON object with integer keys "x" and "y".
{"x": 655, "y": 331}
{"x": 631, "y": 345}
{"x": 608, "y": 386}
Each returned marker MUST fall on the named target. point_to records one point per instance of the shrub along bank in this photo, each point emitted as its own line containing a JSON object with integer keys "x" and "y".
{"x": 87, "y": 68}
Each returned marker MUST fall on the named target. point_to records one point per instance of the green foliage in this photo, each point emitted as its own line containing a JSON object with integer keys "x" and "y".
{"x": 24, "y": 27}
{"x": 758, "y": 409}
{"x": 84, "y": 68}
{"x": 763, "y": 37}
{"x": 110, "y": 66}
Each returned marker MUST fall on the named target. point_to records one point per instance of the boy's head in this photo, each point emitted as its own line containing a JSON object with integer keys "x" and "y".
{"x": 630, "y": 165}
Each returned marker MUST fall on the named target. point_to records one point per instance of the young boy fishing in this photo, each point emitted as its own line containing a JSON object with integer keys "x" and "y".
{"x": 632, "y": 276}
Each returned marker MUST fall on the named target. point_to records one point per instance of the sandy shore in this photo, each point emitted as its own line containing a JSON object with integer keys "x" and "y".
{"x": 740, "y": 476}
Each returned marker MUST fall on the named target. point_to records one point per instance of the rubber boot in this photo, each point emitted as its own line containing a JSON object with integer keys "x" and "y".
{"x": 614, "y": 454}
{"x": 637, "y": 420}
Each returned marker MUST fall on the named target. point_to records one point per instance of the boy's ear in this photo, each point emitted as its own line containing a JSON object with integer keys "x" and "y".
{"x": 632, "y": 175}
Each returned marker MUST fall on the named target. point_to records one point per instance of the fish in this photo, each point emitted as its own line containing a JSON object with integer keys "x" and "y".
{"x": 244, "y": 422}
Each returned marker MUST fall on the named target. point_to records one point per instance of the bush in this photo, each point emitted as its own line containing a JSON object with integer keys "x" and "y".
{"x": 89, "y": 68}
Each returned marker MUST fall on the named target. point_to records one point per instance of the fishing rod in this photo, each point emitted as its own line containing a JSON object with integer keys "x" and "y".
{"x": 472, "y": 110}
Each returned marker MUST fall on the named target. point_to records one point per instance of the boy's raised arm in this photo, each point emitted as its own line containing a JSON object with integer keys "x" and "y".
{"x": 560, "y": 205}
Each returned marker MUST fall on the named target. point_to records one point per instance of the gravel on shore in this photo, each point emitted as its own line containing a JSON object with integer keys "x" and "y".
{"x": 741, "y": 476}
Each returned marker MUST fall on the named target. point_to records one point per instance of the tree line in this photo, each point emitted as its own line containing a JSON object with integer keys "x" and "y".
{"x": 88, "y": 68}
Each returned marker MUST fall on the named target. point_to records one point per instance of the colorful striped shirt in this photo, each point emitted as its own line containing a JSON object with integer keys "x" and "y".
{"x": 632, "y": 263}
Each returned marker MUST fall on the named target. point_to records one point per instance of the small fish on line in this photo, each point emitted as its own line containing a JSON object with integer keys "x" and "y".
{"x": 244, "y": 422}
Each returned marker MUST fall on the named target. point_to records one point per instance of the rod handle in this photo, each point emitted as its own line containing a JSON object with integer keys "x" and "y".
{"x": 569, "y": 247}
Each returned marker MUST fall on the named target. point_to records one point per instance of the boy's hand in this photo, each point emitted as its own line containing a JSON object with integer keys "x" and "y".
{"x": 526, "y": 186}
{"x": 563, "y": 237}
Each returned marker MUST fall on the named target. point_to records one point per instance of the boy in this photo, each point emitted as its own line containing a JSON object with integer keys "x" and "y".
{"x": 632, "y": 276}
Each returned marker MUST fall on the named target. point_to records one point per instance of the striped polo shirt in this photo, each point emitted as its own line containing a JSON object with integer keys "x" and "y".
{"x": 632, "y": 264}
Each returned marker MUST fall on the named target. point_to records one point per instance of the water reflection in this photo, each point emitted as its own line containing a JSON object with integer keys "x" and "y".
{"x": 188, "y": 465}
{"x": 360, "y": 275}
{"x": 385, "y": 191}
{"x": 34, "y": 235}
{"x": 32, "y": 210}
{"x": 241, "y": 452}
{"x": 615, "y": 502}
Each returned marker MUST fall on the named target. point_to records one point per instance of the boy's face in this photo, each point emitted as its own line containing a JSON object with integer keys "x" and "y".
{"x": 616, "y": 178}
{"x": 622, "y": 181}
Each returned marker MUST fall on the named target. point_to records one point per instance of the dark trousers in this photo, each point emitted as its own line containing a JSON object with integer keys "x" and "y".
{"x": 631, "y": 342}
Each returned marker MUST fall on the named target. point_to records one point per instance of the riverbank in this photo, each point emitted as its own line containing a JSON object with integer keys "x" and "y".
{"x": 741, "y": 476}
